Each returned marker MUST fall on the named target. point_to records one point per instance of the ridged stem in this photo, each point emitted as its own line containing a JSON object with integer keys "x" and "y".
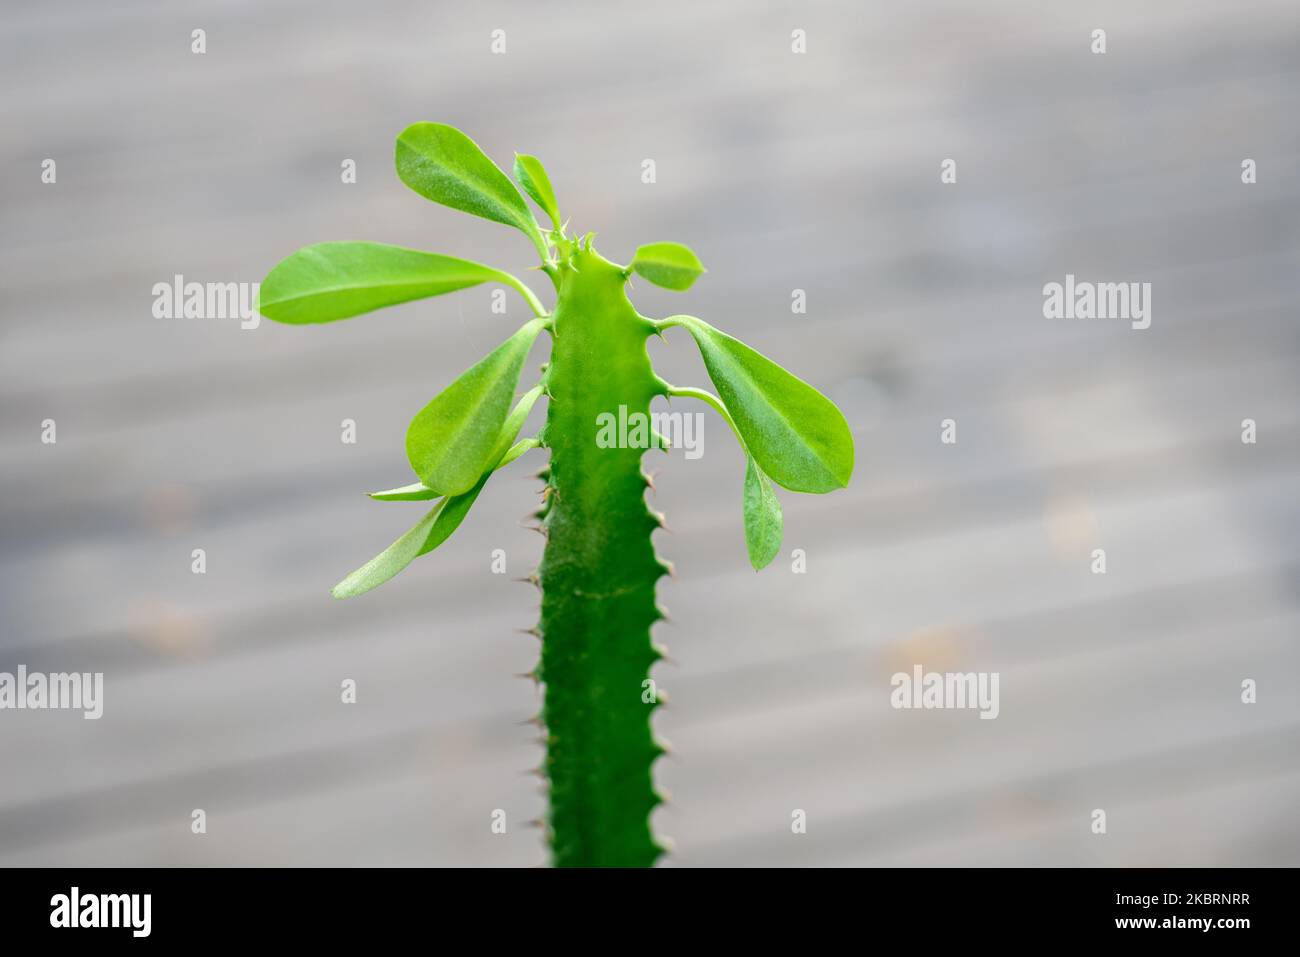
{"x": 598, "y": 578}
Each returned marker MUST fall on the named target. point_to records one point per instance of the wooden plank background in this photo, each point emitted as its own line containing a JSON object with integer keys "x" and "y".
{"x": 817, "y": 172}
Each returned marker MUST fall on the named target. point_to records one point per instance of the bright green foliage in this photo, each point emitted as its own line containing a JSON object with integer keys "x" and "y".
{"x": 763, "y": 523}
{"x": 793, "y": 431}
{"x": 332, "y": 281}
{"x": 599, "y": 570}
{"x": 444, "y": 518}
{"x": 670, "y": 265}
{"x": 415, "y": 492}
{"x": 531, "y": 175}
{"x": 450, "y": 440}
{"x": 443, "y": 164}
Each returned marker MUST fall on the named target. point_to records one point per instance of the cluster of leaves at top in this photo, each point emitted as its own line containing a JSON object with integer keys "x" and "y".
{"x": 791, "y": 433}
{"x": 599, "y": 569}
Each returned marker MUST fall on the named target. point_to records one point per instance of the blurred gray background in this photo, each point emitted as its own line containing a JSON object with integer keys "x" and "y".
{"x": 817, "y": 172}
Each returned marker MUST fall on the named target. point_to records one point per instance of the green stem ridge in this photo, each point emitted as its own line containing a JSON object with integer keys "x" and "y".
{"x": 598, "y": 577}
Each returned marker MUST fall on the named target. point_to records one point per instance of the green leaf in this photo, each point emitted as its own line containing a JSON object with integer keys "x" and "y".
{"x": 763, "y": 522}
{"x": 419, "y": 492}
{"x": 531, "y": 175}
{"x": 392, "y": 559}
{"x": 444, "y": 518}
{"x": 518, "y": 449}
{"x": 795, "y": 434}
{"x": 503, "y": 452}
{"x": 443, "y": 164}
{"x": 435, "y": 528}
{"x": 330, "y": 281}
{"x": 670, "y": 265}
{"x": 453, "y": 439}
{"x": 415, "y": 492}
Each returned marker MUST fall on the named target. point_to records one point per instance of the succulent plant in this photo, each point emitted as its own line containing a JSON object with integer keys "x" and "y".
{"x": 599, "y": 570}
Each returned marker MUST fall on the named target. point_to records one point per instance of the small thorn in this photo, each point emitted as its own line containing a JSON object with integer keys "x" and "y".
{"x": 529, "y": 631}
{"x": 536, "y": 822}
{"x": 535, "y": 720}
{"x": 664, "y": 655}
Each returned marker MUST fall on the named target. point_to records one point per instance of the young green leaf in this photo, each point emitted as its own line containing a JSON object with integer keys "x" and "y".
{"x": 415, "y": 492}
{"x": 531, "y": 175}
{"x": 392, "y": 559}
{"x": 763, "y": 523}
{"x": 444, "y": 518}
{"x": 330, "y": 281}
{"x": 443, "y": 164}
{"x": 518, "y": 449}
{"x": 795, "y": 434}
{"x": 431, "y": 531}
{"x": 452, "y": 440}
{"x": 670, "y": 265}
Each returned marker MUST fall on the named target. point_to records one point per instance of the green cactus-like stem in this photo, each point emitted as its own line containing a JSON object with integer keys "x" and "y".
{"x": 598, "y": 577}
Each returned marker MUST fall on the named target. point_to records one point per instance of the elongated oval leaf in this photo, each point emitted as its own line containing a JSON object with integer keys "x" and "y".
{"x": 516, "y": 450}
{"x": 514, "y": 422}
{"x": 531, "y": 175}
{"x": 503, "y": 453}
{"x": 452, "y": 440}
{"x": 330, "y": 281}
{"x": 444, "y": 518}
{"x": 443, "y": 164}
{"x": 763, "y": 522}
{"x": 415, "y": 492}
{"x": 670, "y": 265}
{"x": 392, "y": 559}
{"x": 431, "y": 531}
{"x": 795, "y": 434}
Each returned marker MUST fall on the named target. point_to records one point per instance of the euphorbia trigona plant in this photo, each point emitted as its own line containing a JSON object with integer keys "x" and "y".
{"x": 599, "y": 568}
